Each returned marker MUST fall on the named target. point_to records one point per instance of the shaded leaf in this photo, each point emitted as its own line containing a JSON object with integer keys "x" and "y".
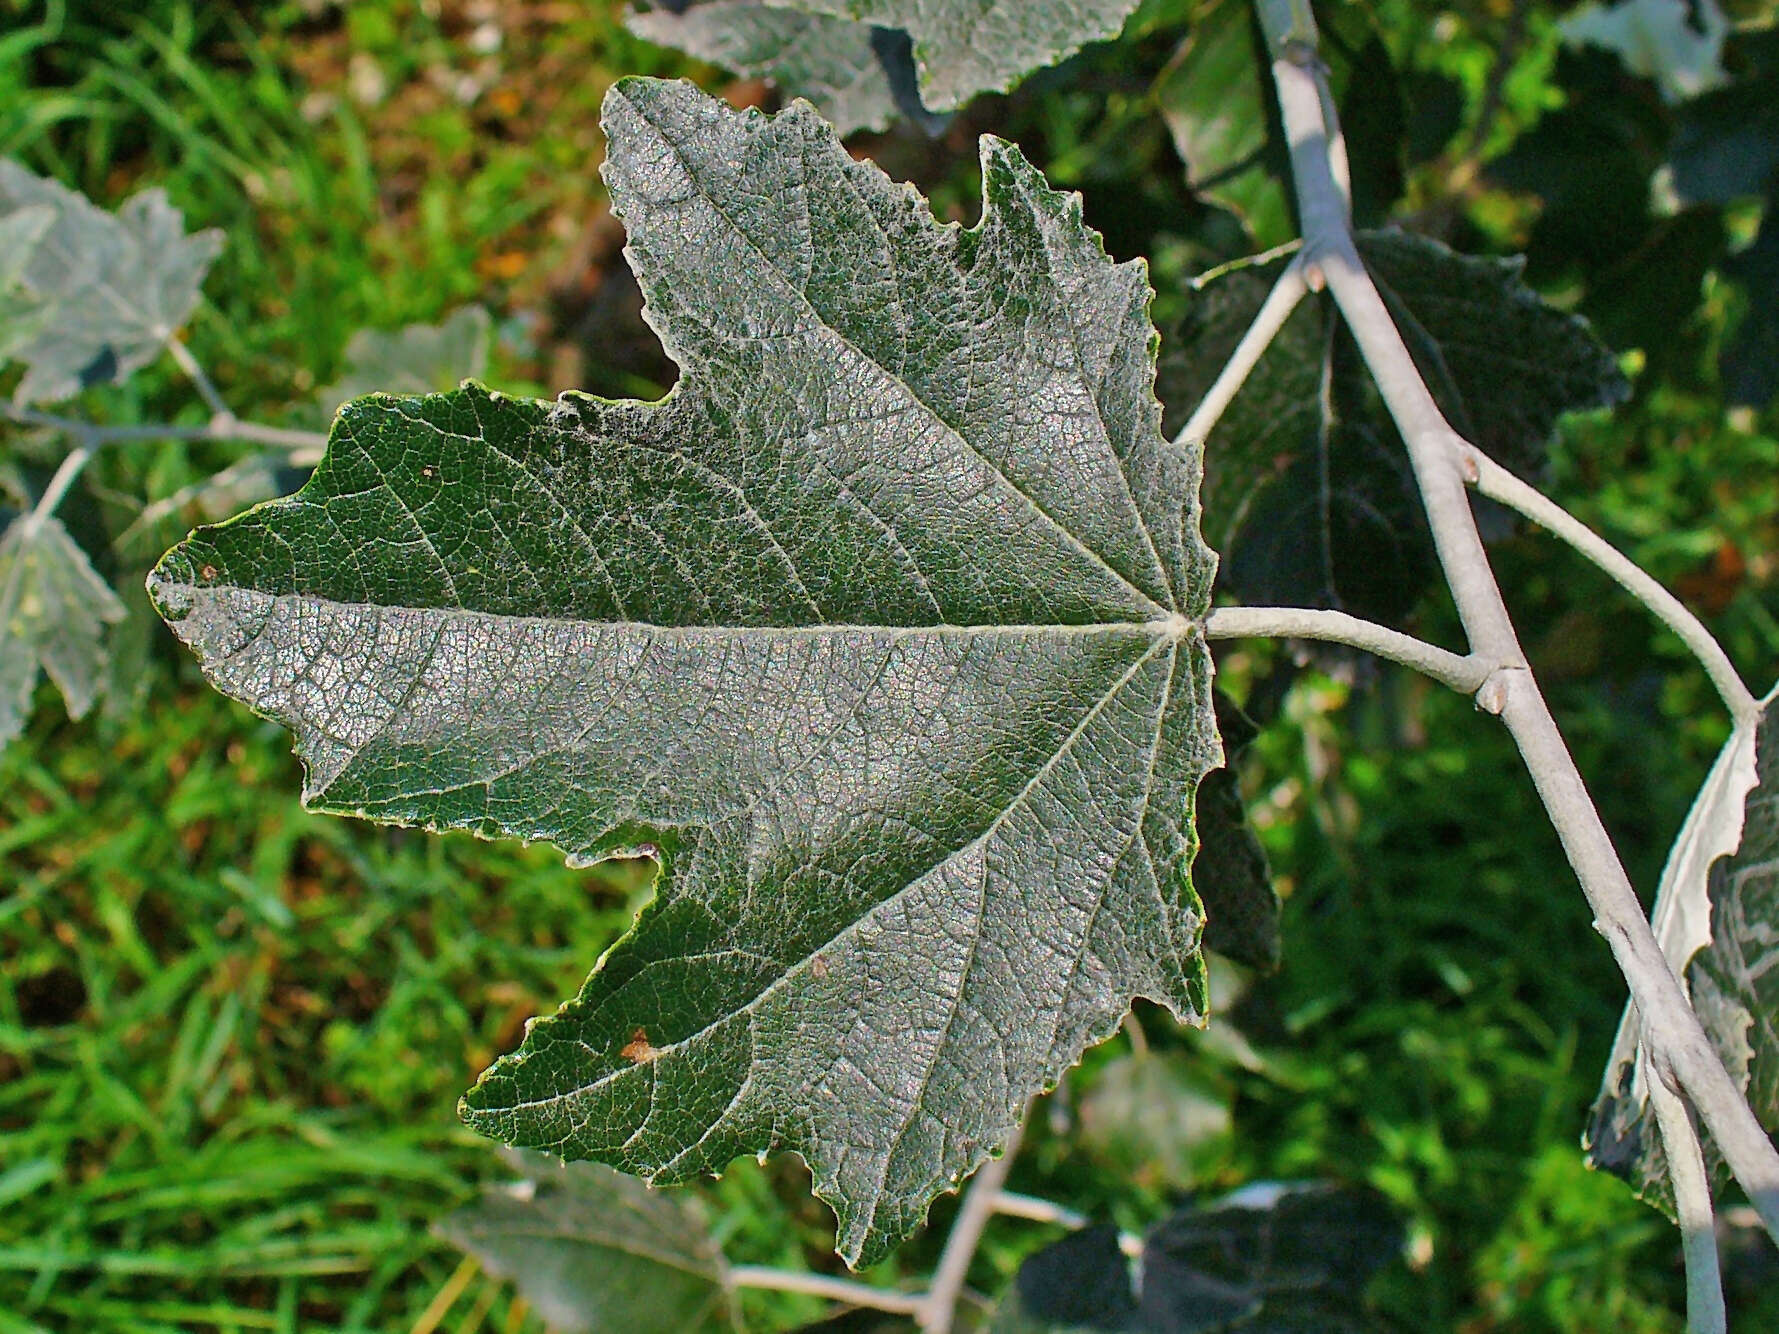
{"x": 416, "y": 359}
{"x": 831, "y": 61}
{"x": 1309, "y": 495}
{"x": 1271, "y": 1258}
{"x": 965, "y": 47}
{"x": 881, "y": 631}
{"x": 54, "y": 608}
{"x": 1751, "y": 357}
{"x": 114, "y": 287}
{"x": 1231, "y": 873}
{"x": 1726, "y": 143}
{"x": 597, "y": 1252}
{"x": 1082, "y": 1282}
{"x": 1717, "y": 918}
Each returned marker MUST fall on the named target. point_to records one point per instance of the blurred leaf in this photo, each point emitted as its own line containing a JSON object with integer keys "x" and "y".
{"x": 1751, "y": 357}
{"x": 21, "y": 314}
{"x": 597, "y": 1252}
{"x": 1677, "y": 43}
{"x": 1081, "y": 1283}
{"x": 965, "y": 47}
{"x": 115, "y": 287}
{"x": 417, "y": 359}
{"x": 1717, "y": 918}
{"x": 1147, "y": 1115}
{"x": 911, "y": 701}
{"x": 1271, "y": 1258}
{"x": 830, "y": 61}
{"x": 1503, "y": 363}
{"x": 54, "y": 608}
{"x": 1726, "y": 142}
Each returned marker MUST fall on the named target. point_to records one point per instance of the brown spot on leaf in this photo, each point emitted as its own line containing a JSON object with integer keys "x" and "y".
{"x": 818, "y": 967}
{"x": 638, "y": 1050}
{"x": 208, "y": 573}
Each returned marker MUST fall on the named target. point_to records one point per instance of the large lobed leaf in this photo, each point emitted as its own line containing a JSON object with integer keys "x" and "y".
{"x": 882, "y": 631}
{"x": 113, "y": 288}
{"x": 1717, "y": 917}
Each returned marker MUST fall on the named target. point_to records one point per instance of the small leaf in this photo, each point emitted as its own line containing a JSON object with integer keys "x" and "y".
{"x": 595, "y": 1251}
{"x": 965, "y": 47}
{"x": 1215, "y": 102}
{"x": 1148, "y": 1115}
{"x": 54, "y": 608}
{"x": 417, "y": 359}
{"x": 1269, "y": 1259}
{"x": 830, "y": 61}
{"x": 882, "y": 632}
{"x": 1311, "y": 499}
{"x": 1716, "y": 917}
{"x": 1677, "y": 43}
{"x": 114, "y": 287}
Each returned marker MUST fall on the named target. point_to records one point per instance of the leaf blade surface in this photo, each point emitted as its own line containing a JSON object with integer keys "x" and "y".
{"x": 882, "y": 630}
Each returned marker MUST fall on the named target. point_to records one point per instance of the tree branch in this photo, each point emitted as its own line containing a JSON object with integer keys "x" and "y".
{"x": 221, "y": 426}
{"x": 939, "y": 1308}
{"x": 1692, "y": 1206}
{"x": 64, "y": 477}
{"x": 1465, "y": 674}
{"x": 846, "y": 1290}
{"x": 1497, "y": 483}
{"x": 201, "y": 381}
{"x": 1290, "y": 288}
{"x": 1672, "y": 1029}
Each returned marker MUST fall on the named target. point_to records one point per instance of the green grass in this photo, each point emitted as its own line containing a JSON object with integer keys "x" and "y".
{"x": 232, "y": 1033}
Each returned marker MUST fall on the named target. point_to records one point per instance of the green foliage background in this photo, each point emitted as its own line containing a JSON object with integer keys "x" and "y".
{"x": 232, "y": 1034}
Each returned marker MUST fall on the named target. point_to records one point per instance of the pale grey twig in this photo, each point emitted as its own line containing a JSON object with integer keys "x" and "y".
{"x": 846, "y": 1290}
{"x": 1465, "y": 674}
{"x": 225, "y": 426}
{"x": 939, "y": 1308}
{"x": 1692, "y": 1207}
{"x": 1672, "y": 1029}
{"x": 1497, "y": 483}
{"x": 201, "y": 381}
{"x": 1268, "y": 320}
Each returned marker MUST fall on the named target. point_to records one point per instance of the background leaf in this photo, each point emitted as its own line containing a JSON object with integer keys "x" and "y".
{"x": 54, "y": 608}
{"x": 417, "y": 359}
{"x": 833, "y": 62}
{"x": 1269, "y": 1259}
{"x": 881, "y": 631}
{"x": 965, "y": 47}
{"x": 597, "y": 1252}
{"x": 1717, "y": 917}
{"x": 1306, "y": 447}
{"x": 115, "y": 287}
